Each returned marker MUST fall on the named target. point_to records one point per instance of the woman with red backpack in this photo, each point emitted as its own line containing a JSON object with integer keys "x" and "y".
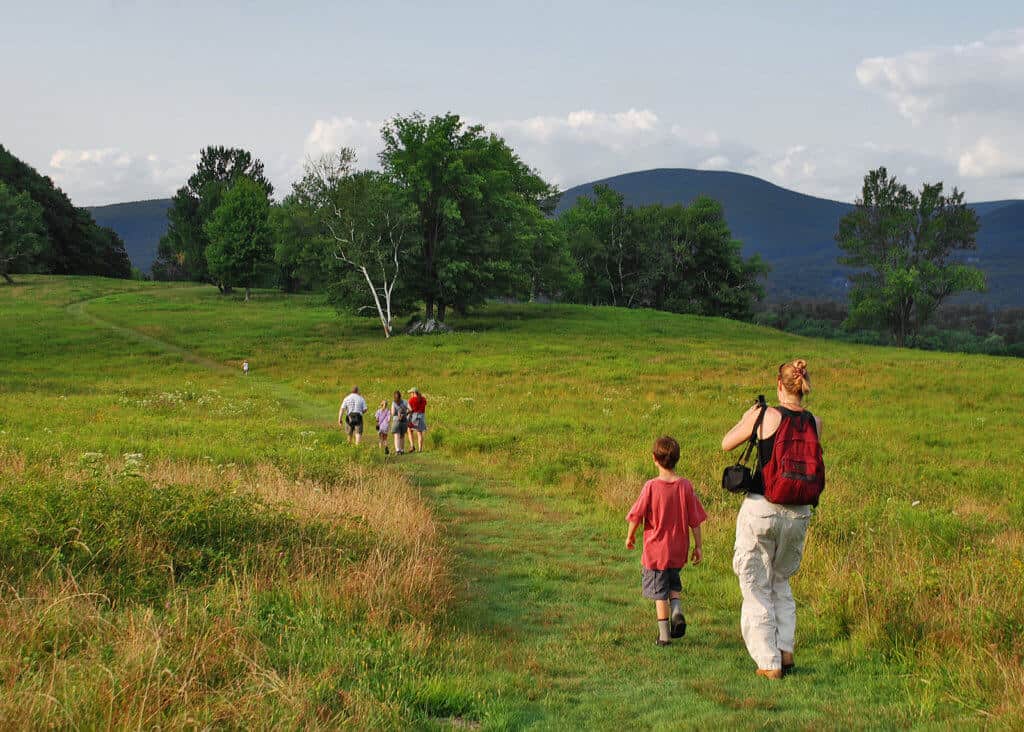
{"x": 773, "y": 518}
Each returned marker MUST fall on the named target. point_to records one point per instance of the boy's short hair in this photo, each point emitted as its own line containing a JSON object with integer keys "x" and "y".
{"x": 666, "y": 452}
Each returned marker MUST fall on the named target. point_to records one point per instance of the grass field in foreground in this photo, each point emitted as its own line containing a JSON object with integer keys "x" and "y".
{"x": 503, "y": 597}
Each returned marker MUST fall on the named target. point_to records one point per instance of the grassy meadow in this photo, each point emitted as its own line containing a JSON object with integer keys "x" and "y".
{"x": 183, "y": 546}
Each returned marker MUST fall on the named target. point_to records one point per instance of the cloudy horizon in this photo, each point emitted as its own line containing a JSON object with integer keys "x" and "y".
{"x": 150, "y": 86}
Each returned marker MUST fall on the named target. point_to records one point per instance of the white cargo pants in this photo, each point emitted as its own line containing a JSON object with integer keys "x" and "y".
{"x": 769, "y": 547}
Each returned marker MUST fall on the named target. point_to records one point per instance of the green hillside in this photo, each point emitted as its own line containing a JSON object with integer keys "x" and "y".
{"x": 74, "y": 242}
{"x": 184, "y": 546}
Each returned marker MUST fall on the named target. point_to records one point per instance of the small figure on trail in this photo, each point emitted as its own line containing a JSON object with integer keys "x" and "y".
{"x": 417, "y": 418}
{"x": 245, "y": 368}
{"x": 668, "y": 509}
{"x": 351, "y": 415}
{"x": 399, "y": 422}
{"x": 772, "y": 523}
{"x": 383, "y": 416}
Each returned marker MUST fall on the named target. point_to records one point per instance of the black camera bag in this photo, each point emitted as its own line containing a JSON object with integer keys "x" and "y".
{"x": 738, "y": 478}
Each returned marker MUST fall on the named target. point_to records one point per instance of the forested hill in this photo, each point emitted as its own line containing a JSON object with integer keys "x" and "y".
{"x": 140, "y": 224}
{"x": 795, "y": 233}
{"x": 72, "y": 242}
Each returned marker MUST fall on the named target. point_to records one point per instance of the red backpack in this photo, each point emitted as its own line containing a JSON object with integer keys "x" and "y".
{"x": 795, "y": 474}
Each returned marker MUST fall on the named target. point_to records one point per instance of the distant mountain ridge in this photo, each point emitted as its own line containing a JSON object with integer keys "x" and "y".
{"x": 793, "y": 232}
{"x": 140, "y": 224}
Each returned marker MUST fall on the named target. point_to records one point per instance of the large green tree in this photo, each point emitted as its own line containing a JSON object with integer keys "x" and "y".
{"x": 22, "y": 231}
{"x": 702, "y": 268}
{"x": 600, "y": 231}
{"x": 477, "y": 206}
{"x": 902, "y": 246}
{"x": 182, "y": 250}
{"x": 240, "y": 252}
{"x": 677, "y": 258}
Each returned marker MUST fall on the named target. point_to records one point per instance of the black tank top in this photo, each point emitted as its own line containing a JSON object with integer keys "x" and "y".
{"x": 767, "y": 444}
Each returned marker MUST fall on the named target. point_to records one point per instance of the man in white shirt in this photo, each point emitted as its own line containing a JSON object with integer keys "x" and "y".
{"x": 351, "y": 415}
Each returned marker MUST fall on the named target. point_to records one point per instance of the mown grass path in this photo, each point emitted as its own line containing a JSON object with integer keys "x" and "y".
{"x": 549, "y": 631}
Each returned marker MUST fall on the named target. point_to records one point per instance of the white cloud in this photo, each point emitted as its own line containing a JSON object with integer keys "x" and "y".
{"x": 715, "y": 162}
{"x": 577, "y": 147}
{"x": 988, "y": 158}
{"x": 588, "y": 144}
{"x": 972, "y": 94}
{"x": 104, "y": 175}
{"x": 982, "y": 78}
{"x": 328, "y": 135}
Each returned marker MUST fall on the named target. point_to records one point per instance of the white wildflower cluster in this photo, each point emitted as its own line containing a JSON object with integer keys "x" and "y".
{"x": 316, "y": 440}
{"x": 133, "y": 465}
{"x": 211, "y": 400}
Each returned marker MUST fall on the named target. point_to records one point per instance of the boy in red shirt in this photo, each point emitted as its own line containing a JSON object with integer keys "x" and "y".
{"x": 668, "y": 508}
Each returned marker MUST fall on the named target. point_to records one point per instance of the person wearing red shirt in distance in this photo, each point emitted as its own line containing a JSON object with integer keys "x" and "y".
{"x": 668, "y": 508}
{"x": 417, "y": 418}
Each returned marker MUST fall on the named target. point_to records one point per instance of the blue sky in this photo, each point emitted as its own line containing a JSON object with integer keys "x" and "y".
{"x": 115, "y": 99}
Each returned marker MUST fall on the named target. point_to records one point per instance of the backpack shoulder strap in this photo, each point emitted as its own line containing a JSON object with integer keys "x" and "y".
{"x": 752, "y": 442}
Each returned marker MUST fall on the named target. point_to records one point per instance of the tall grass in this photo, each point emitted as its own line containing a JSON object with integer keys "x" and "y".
{"x": 340, "y": 607}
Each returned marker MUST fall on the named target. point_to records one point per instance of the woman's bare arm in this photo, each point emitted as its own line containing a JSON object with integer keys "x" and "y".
{"x": 740, "y": 433}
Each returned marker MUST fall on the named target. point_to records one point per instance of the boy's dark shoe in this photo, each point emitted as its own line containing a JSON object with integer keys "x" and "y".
{"x": 385, "y": 451}
{"x": 660, "y": 642}
{"x": 678, "y": 625}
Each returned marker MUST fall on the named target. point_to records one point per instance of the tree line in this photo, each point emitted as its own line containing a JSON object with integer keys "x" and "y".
{"x": 452, "y": 218}
{"x": 41, "y": 231}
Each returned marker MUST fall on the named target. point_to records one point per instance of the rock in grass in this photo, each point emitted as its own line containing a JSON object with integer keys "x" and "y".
{"x": 427, "y": 327}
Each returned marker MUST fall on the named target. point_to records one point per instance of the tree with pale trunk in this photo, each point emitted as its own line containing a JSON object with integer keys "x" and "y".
{"x": 373, "y": 227}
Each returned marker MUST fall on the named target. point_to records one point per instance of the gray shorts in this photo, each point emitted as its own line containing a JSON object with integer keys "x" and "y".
{"x": 418, "y": 422}
{"x": 658, "y": 583}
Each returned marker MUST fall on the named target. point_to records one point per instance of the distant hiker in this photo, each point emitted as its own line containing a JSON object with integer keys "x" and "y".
{"x": 417, "y": 418}
{"x": 351, "y": 415}
{"x": 383, "y": 417}
{"x": 772, "y": 521}
{"x": 668, "y": 509}
{"x": 399, "y": 422}
{"x": 245, "y": 368}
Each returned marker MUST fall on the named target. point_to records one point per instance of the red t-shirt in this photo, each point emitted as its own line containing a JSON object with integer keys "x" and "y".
{"x": 668, "y": 511}
{"x": 417, "y": 403}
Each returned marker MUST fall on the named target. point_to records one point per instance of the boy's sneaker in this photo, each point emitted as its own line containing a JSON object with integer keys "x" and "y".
{"x": 678, "y": 625}
{"x": 386, "y": 451}
{"x": 660, "y": 642}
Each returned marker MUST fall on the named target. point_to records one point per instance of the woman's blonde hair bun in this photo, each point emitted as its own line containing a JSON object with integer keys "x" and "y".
{"x": 794, "y": 377}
